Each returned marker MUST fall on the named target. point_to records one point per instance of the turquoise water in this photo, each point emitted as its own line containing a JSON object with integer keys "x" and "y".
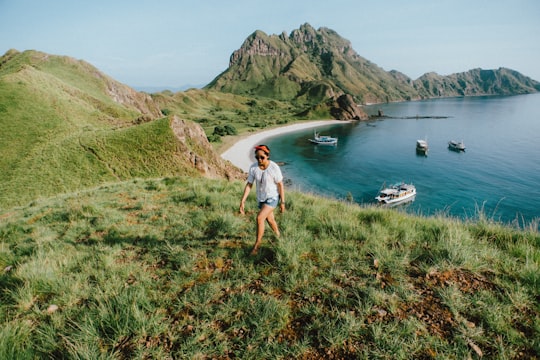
{"x": 499, "y": 173}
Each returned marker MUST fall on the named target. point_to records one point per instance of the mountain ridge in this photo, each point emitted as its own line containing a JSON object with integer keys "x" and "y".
{"x": 288, "y": 67}
{"x": 501, "y": 81}
{"x": 76, "y": 73}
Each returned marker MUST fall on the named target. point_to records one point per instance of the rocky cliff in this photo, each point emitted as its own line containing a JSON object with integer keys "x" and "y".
{"x": 195, "y": 147}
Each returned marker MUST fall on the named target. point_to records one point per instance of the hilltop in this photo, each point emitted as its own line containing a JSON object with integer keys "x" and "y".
{"x": 65, "y": 126}
{"x": 159, "y": 269}
{"x": 317, "y": 67}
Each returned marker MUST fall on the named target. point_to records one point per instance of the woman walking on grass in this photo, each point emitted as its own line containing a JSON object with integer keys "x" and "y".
{"x": 270, "y": 192}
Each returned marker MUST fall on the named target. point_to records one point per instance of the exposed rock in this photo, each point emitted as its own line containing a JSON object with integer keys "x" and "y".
{"x": 194, "y": 145}
{"x": 257, "y": 43}
{"x": 344, "y": 108}
{"x": 129, "y": 97}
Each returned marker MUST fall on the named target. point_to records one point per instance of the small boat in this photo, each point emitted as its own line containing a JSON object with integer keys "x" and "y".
{"x": 396, "y": 194}
{"x": 323, "y": 139}
{"x": 422, "y": 146}
{"x": 456, "y": 146}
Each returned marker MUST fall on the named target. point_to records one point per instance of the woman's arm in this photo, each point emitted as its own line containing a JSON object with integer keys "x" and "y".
{"x": 247, "y": 189}
{"x": 281, "y": 192}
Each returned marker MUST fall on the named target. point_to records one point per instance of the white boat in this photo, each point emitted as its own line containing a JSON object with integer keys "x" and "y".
{"x": 396, "y": 194}
{"x": 422, "y": 146}
{"x": 323, "y": 139}
{"x": 456, "y": 146}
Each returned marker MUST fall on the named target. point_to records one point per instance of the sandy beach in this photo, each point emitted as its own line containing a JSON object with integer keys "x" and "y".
{"x": 241, "y": 153}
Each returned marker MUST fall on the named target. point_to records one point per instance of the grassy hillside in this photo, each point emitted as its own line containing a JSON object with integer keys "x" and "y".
{"x": 211, "y": 109}
{"x": 159, "y": 269}
{"x": 48, "y": 155}
{"x": 65, "y": 126}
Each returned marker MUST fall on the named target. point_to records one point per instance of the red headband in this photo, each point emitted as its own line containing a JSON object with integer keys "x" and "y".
{"x": 263, "y": 148}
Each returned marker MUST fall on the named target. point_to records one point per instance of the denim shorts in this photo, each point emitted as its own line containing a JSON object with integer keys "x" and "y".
{"x": 273, "y": 202}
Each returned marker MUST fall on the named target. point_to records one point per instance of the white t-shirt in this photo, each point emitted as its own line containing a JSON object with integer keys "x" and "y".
{"x": 266, "y": 180}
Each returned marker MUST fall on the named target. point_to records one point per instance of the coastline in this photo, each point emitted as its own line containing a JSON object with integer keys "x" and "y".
{"x": 241, "y": 153}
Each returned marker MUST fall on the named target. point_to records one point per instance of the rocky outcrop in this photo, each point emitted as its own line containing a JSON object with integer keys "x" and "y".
{"x": 305, "y": 38}
{"x": 127, "y": 96}
{"x": 197, "y": 150}
{"x": 344, "y": 108}
{"x": 258, "y": 44}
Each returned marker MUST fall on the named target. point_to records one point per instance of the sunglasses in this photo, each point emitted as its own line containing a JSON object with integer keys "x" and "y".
{"x": 260, "y": 157}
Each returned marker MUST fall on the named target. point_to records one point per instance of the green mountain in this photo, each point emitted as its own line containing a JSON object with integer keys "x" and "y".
{"x": 475, "y": 82}
{"x": 64, "y": 126}
{"x": 314, "y": 66}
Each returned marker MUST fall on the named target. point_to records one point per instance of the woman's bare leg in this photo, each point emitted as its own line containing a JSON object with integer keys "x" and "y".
{"x": 273, "y": 224}
{"x": 261, "y": 218}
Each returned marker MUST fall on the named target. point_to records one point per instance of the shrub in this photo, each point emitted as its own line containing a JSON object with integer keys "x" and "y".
{"x": 224, "y": 130}
{"x": 231, "y": 130}
{"x": 219, "y": 131}
{"x": 214, "y": 138}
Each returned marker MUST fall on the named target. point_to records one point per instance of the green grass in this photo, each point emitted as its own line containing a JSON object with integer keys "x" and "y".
{"x": 211, "y": 108}
{"x": 89, "y": 157}
{"x": 159, "y": 268}
{"x": 60, "y": 131}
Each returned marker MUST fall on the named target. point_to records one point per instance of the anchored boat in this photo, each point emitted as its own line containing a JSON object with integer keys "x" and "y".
{"x": 396, "y": 194}
{"x": 456, "y": 146}
{"x": 421, "y": 146}
{"x": 323, "y": 139}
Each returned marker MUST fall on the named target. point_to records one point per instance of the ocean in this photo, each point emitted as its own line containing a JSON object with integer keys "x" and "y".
{"x": 497, "y": 176}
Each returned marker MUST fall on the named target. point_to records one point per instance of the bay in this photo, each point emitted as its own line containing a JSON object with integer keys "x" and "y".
{"x": 498, "y": 176}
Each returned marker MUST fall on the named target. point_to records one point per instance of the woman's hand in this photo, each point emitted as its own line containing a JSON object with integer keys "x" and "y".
{"x": 242, "y": 208}
{"x": 247, "y": 189}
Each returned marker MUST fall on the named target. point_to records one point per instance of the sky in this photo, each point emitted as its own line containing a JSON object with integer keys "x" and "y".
{"x": 178, "y": 43}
